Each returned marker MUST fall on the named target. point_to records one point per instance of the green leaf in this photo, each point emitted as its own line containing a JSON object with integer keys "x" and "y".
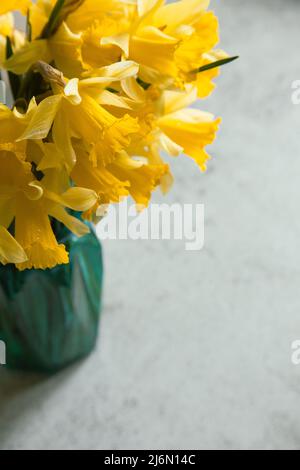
{"x": 143, "y": 84}
{"x": 61, "y": 10}
{"x": 14, "y": 80}
{"x": 111, "y": 90}
{"x": 9, "y": 49}
{"x": 213, "y": 65}
{"x": 53, "y": 21}
{"x": 28, "y": 28}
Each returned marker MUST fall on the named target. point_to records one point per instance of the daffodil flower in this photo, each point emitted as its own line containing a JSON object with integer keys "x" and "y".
{"x": 30, "y": 203}
{"x": 186, "y": 130}
{"x": 102, "y": 89}
{"x": 76, "y": 111}
{"x": 175, "y": 127}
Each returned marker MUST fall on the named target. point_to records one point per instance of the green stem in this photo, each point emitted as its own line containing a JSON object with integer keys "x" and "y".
{"x": 53, "y": 21}
{"x": 14, "y": 80}
{"x": 215, "y": 64}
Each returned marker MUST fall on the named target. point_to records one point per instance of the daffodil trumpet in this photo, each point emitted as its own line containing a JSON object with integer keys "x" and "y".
{"x": 102, "y": 90}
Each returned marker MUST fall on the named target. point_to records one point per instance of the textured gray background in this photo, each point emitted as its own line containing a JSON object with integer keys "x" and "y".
{"x": 195, "y": 346}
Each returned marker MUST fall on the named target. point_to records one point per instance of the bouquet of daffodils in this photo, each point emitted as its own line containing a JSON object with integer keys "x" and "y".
{"x": 100, "y": 89}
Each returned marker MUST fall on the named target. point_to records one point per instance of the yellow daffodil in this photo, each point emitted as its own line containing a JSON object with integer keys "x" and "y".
{"x": 118, "y": 179}
{"x": 190, "y": 129}
{"x": 31, "y": 202}
{"x": 102, "y": 89}
{"x": 173, "y": 126}
{"x": 64, "y": 48}
{"x": 107, "y": 186}
{"x": 75, "y": 110}
{"x": 21, "y": 199}
{"x": 168, "y": 41}
{"x": 143, "y": 178}
{"x": 10, "y": 5}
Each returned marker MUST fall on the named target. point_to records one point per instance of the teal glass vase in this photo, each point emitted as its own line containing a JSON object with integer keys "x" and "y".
{"x": 49, "y": 319}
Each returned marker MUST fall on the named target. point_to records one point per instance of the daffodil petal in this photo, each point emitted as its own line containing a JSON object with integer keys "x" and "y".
{"x": 110, "y": 73}
{"x": 42, "y": 119}
{"x": 72, "y": 93}
{"x": 121, "y": 40}
{"x": 65, "y": 47}
{"x": 107, "y": 98}
{"x": 178, "y": 13}
{"x": 174, "y": 100}
{"x": 10, "y": 5}
{"x": 26, "y": 56}
{"x": 10, "y": 249}
{"x": 169, "y": 146}
{"x": 144, "y": 6}
{"x": 34, "y": 191}
{"x": 191, "y": 129}
{"x": 132, "y": 89}
{"x": 6, "y": 25}
{"x": 72, "y": 223}
{"x": 34, "y": 233}
{"x": 78, "y": 199}
{"x": 61, "y": 134}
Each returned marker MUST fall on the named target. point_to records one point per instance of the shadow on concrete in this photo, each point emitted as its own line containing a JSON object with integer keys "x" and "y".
{"x": 20, "y": 393}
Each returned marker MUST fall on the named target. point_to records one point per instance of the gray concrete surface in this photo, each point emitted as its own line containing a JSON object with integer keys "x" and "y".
{"x": 195, "y": 346}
